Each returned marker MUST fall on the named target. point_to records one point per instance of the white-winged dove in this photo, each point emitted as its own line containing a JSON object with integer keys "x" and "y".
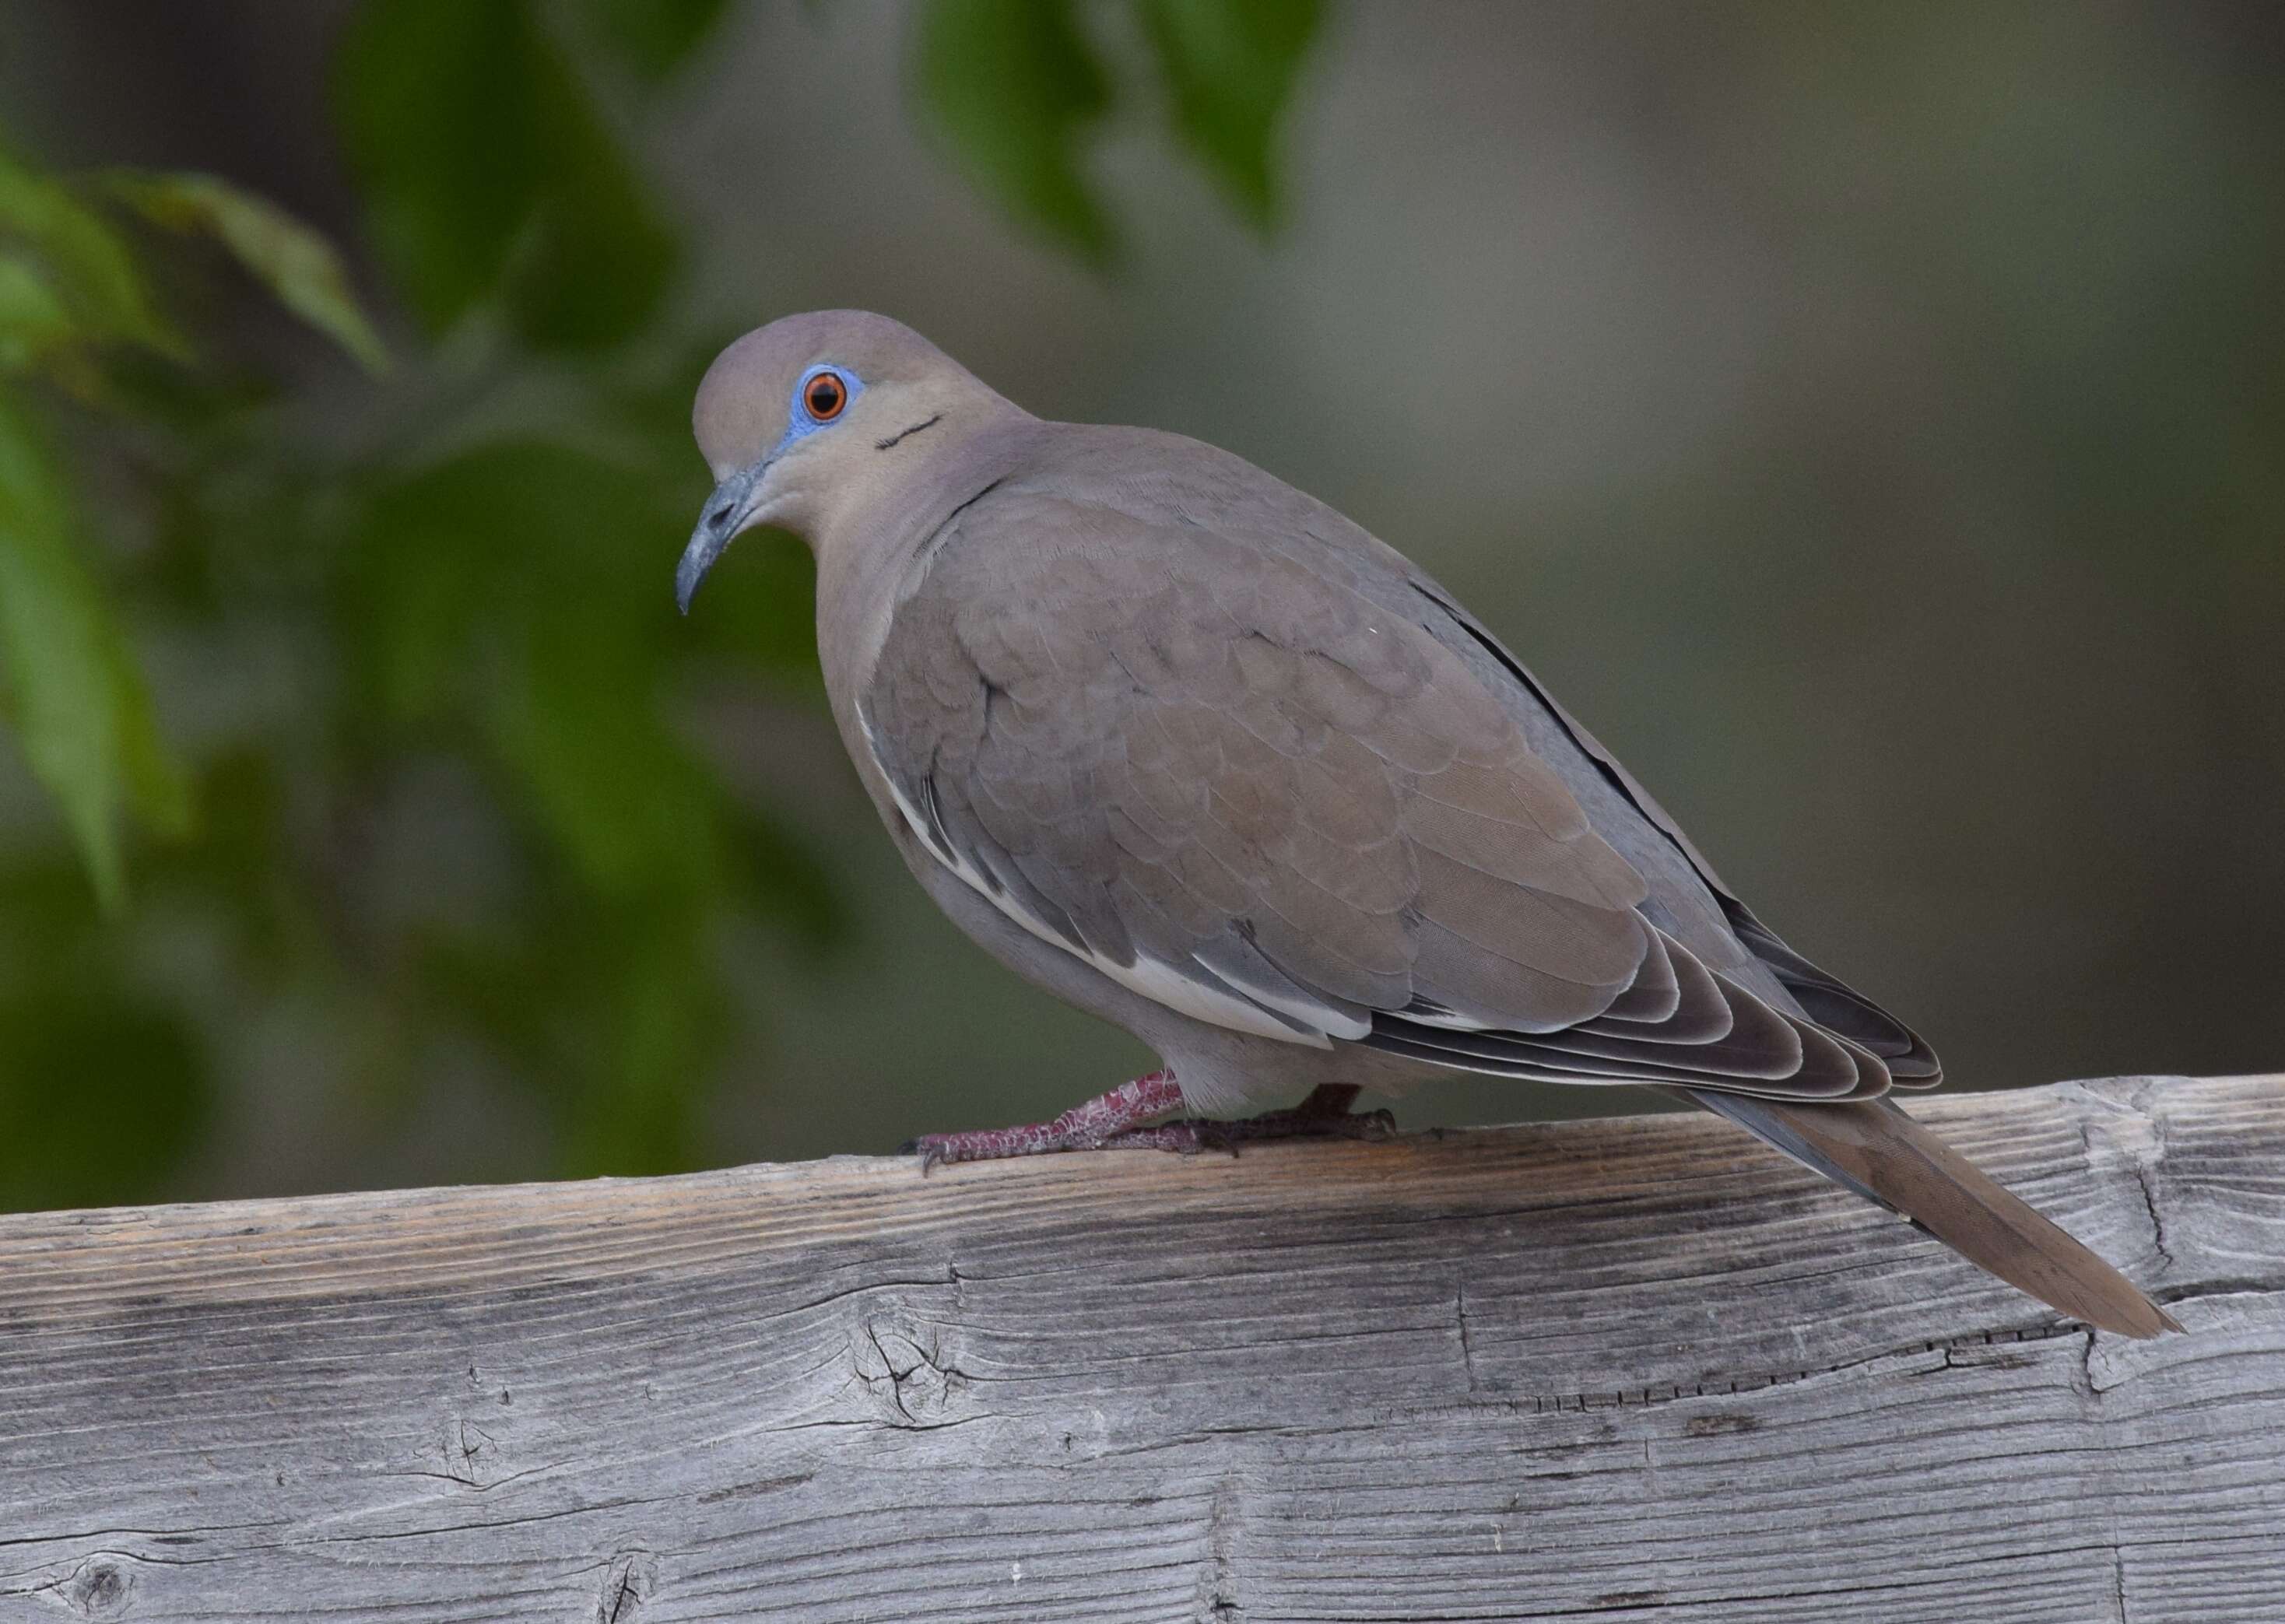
{"x": 1195, "y": 752}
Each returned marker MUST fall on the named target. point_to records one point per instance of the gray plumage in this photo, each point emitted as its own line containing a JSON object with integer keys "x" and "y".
{"x": 1194, "y": 751}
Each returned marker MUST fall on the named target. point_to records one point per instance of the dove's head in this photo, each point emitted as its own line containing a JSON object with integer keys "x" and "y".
{"x": 807, "y": 417}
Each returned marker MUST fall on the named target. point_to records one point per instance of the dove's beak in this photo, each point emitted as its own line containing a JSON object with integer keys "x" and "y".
{"x": 730, "y": 510}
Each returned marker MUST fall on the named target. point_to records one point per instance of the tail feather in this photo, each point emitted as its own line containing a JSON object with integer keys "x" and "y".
{"x": 1874, "y": 1149}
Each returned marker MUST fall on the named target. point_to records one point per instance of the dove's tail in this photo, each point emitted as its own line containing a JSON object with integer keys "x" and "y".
{"x": 1877, "y": 1150}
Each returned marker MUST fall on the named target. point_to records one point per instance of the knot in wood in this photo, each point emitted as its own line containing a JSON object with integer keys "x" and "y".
{"x": 628, "y": 1583}
{"x": 907, "y": 1367}
{"x": 99, "y": 1588}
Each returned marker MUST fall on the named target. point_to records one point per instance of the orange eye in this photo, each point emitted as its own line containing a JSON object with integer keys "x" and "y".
{"x": 825, "y": 395}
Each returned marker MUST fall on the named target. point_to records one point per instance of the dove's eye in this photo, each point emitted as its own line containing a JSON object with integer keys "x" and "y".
{"x": 824, "y": 396}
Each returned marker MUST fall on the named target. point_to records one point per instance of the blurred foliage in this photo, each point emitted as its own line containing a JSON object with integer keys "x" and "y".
{"x": 1229, "y": 70}
{"x": 448, "y": 606}
{"x": 294, "y": 262}
{"x": 491, "y": 172}
{"x": 1014, "y": 86}
{"x": 1022, "y": 91}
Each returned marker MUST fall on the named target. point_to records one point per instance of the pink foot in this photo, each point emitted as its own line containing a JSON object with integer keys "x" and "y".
{"x": 1116, "y": 1121}
{"x": 1083, "y": 1127}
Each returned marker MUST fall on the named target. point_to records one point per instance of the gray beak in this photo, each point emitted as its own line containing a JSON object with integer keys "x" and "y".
{"x": 728, "y": 511}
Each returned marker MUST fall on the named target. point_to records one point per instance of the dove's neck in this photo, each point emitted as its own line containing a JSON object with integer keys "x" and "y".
{"x": 870, "y": 543}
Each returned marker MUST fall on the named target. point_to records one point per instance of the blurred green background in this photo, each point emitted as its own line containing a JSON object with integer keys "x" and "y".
{"x": 1870, "y": 420}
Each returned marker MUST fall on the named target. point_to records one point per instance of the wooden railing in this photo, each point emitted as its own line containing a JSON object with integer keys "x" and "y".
{"x": 1635, "y": 1371}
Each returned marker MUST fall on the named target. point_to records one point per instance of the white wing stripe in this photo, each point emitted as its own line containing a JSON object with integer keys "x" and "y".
{"x": 1181, "y": 990}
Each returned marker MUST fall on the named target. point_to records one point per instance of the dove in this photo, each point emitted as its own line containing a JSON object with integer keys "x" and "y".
{"x": 1191, "y": 751}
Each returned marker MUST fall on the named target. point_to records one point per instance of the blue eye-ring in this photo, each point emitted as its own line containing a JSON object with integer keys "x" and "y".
{"x": 819, "y": 398}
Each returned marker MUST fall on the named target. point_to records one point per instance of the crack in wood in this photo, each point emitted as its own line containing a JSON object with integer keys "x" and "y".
{"x": 1221, "y": 1605}
{"x": 1467, "y": 1355}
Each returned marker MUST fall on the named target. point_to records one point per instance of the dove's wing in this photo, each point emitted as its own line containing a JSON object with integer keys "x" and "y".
{"x": 1236, "y": 784}
{"x": 1827, "y": 1000}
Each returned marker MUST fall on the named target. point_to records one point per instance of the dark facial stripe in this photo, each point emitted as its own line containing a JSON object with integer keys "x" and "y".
{"x": 883, "y": 445}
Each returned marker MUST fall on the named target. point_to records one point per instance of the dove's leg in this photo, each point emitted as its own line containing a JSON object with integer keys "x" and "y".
{"x": 1325, "y": 1114}
{"x": 1083, "y": 1127}
{"x": 1117, "y": 1120}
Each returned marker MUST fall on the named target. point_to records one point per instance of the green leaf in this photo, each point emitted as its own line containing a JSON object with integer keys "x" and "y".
{"x": 87, "y": 263}
{"x": 80, "y": 708}
{"x": 655, "y": 37}
{"x": 600, "y": 259}
{"x": 1017, "y": 89}
{"x": 33, "y": 320}
{"x": 489, "y": 173}
{"x": 1230, "y": 65}
{"x": 433, "y": 99}
{"x": 294, "y": 262}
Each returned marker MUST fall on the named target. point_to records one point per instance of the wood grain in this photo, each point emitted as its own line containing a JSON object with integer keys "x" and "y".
{"x": 1631, "y": 1370}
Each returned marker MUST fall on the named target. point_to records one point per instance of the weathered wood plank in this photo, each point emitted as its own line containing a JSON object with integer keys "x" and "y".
{"x": 1630, "y": 1368}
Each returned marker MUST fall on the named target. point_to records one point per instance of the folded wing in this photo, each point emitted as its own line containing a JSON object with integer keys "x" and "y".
{"x": 1240, "y": 787}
